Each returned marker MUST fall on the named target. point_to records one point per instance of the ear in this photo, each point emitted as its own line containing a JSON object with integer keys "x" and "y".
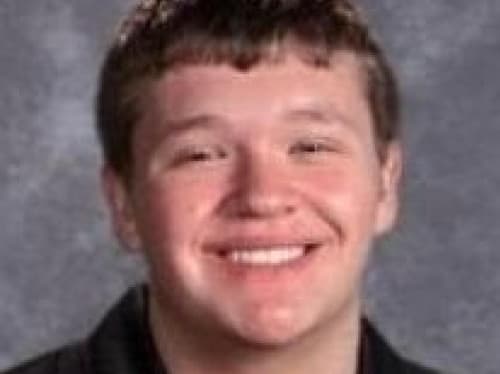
{"x": 120, "y": 205}
{"x": 391, "y": 172}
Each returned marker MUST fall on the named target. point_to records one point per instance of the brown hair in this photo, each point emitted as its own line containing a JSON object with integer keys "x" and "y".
{"x": 159, "y": 34}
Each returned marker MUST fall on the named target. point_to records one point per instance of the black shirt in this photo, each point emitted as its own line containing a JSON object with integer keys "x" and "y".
{"x": 122, "y": 344}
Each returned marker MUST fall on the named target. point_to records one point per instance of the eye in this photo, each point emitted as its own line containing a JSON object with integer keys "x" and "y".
{"x": 312, "y": 146}
{"x": 198, "y": 154}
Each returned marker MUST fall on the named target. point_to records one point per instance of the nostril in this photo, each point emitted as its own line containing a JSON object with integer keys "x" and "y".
{"x": 264, "y": 204}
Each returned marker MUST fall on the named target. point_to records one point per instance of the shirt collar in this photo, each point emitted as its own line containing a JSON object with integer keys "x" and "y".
{"x": 123, "y": 342}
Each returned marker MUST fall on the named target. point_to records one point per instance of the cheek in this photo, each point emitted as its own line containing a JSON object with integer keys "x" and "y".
{"x": 170, "y": 221}
{"x": 346, "y": 196}
{"x": 174, "y": 214}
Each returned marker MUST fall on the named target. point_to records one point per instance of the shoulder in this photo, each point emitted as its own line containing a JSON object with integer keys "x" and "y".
{"x": 382, "y": 358}
{"x": 67, "y": 359}
{"x": 120, "y": 344}
{"x": 412, "y": 368}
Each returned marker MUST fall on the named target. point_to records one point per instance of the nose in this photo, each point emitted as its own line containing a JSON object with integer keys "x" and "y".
{"x": 261, "y": 189}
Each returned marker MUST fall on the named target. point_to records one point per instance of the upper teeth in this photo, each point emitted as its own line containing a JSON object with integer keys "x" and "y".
{"x": 266, "y": 256}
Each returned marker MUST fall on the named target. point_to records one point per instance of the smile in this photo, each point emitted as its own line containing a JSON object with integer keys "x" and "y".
{"x": 267, "y": 256}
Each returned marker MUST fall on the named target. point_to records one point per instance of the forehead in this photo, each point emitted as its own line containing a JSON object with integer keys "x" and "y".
{"x": 267, "y": 87}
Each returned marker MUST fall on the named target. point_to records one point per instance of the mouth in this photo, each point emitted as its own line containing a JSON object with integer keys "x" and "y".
{"x": 267, "y": 256}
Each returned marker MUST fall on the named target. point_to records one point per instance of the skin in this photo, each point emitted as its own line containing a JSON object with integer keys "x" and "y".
{"x": 282, "y": 154}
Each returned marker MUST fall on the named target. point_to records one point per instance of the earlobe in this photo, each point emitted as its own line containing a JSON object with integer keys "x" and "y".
{"x": 391, "y": 174}
{"x": 120, "y": 207}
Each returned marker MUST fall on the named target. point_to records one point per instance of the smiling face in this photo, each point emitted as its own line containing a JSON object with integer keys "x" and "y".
{"x": 256, "y": 195}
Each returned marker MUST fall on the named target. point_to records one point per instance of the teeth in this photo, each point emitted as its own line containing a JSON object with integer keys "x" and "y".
{"x": 266, "y": 256}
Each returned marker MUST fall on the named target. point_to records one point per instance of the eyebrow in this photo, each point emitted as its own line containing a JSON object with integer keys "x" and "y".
{"x": 317, "y": 114}
{"x": 177, "y": 126}
{"x": 323, "y": 115}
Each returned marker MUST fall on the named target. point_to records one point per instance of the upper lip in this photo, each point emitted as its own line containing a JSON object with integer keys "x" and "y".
{"x": 259, "y": 242}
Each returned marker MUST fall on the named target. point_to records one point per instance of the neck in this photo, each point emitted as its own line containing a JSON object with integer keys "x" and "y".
{"x": 330, "y": 349}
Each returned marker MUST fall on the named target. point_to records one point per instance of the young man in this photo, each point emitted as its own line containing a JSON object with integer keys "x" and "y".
{"x": 251, "y": 154}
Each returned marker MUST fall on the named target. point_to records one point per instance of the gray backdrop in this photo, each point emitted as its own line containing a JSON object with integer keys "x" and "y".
{"x": 434, "y": 285}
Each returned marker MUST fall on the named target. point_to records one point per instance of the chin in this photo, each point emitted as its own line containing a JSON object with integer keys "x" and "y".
{"x": 284, "y": 326}
{"x": 268, "y": 339}
{"x": 271, "y": 330}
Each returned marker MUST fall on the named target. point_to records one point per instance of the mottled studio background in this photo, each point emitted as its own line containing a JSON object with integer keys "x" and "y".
{"x": 435, "y": 286}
